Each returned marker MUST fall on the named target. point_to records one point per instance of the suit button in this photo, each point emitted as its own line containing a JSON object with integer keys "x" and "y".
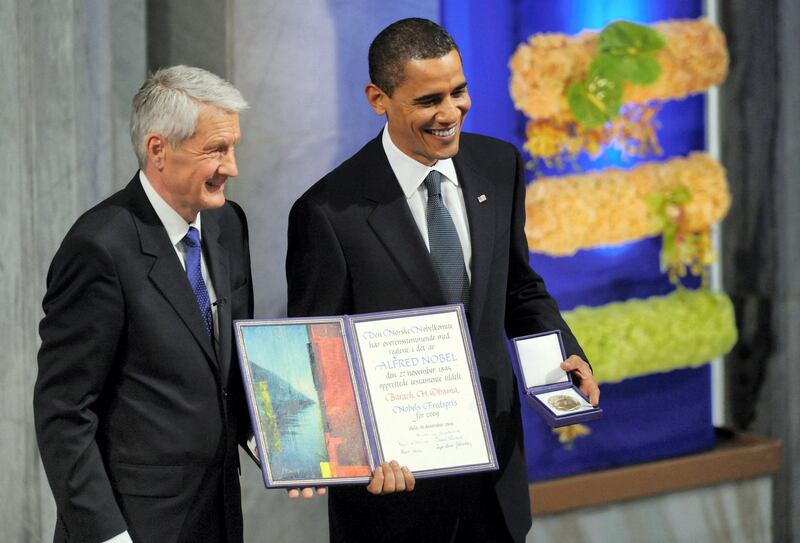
{"x": 224, "y": 393}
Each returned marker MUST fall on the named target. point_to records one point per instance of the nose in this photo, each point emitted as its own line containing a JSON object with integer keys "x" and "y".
{"x": 448, "y": 112}
{"x": 228, "y": 165}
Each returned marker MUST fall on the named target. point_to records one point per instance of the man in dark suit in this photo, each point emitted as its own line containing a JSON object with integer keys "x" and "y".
{"x": 138, "y": 405}
{"x": 378, "y": 233}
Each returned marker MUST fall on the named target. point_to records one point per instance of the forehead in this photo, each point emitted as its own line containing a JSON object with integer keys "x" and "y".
{"x": 426, "y": 73}
{"x": 214, "y": 121}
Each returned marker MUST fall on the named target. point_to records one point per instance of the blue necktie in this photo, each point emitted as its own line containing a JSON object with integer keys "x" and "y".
{"x": 193, "y": 249}
{"x": 445, "y": 247}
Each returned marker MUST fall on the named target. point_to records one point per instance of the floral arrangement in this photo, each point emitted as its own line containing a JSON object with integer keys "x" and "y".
{"x": 680, "y": 199}
{"x": 561, "y": 139}
{"x": 625, "y": 54}
{"x": 693, "y": 58}
{"x": 637, "y": 337}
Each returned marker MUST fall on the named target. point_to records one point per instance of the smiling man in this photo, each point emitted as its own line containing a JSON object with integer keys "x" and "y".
{"x": 138, "y": 404}
{"x": 425, "y": 215}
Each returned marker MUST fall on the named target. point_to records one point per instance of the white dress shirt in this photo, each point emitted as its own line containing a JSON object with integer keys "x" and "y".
{"x": 411, "y": 174}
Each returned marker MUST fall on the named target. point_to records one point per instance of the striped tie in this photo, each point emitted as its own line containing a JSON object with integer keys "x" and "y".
{"x": 446, "y": 252}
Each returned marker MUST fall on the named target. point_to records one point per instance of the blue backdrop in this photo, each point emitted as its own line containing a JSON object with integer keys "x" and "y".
{"x": 645, "y": 418}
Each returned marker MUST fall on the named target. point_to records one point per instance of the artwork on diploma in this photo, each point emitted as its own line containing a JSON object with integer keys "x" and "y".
{"x": 330, "y": 398}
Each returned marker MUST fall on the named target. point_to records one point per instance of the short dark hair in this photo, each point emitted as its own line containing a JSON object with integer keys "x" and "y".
{"x": 401, "y": 41}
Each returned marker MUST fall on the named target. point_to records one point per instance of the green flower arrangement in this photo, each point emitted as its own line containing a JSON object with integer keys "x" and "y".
{"x": 686, "y": 328}
{"x": 625, "y": 54}
{"x": 683, "y": 251}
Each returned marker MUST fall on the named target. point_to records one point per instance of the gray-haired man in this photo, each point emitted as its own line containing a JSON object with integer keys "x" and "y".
{"x": 138, "y": 405}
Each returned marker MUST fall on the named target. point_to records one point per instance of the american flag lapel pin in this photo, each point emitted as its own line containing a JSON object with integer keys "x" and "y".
{"x": 482, "y": 198}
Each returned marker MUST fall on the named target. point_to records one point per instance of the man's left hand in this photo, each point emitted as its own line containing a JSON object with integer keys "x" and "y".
{"x": 583, "y": 377}
{"x": 390, "y": 478}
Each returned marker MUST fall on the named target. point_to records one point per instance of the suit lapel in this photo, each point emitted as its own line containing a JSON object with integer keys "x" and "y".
{"x": 392, "y": 222}
{"x": 480, "y": 206}
{"x": 166, "y": 273}
{"x": 217, "y": 258}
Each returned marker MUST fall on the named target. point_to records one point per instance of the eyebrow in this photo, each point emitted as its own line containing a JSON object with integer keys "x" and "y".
{"x": 435, "y": 95}
{"x": 221, "y": 141}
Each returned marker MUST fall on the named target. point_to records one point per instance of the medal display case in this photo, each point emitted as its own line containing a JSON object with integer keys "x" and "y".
{"x": 549, "y": 389}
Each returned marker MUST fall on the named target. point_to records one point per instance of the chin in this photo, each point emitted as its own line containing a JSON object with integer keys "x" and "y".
{"x": 218, "y": 200}
{"x": 449, "y": 152}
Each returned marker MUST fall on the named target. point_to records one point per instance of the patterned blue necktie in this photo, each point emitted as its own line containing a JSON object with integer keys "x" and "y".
{"x": 193, "y": 249}
{"x": 446, "y": 252}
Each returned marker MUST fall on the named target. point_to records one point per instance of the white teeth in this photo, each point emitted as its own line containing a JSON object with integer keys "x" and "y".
{"x": 444, "y": 133}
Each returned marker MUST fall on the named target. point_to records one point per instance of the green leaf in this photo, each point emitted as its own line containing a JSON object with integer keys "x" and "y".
{"x": 625, "y": 38}
{"x": 608, "y": 66}
{"x": 640, "y": 69}
{"x": 595, "y": 102}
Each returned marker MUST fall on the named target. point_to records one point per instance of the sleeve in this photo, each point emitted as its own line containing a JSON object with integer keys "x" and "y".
{"x": 316, "y": 270}
{"x": 82, "y": 325}
{"x": 244, "y": 430}
{"x": 529, "y": 306}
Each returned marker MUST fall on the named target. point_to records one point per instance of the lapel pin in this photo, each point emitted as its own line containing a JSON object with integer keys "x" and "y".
{"x": 482, "y": 198}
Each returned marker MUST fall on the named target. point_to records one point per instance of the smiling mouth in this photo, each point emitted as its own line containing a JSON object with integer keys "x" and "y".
{"x": 443, "y": 133}
{"x": 215, "y": 185}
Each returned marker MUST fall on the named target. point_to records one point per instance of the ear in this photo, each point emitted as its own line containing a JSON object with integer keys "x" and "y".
{"x": 376, "y": 98}
{"x": 156, "y": 147}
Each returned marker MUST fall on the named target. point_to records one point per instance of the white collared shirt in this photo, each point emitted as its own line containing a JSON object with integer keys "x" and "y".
{"x": 177, "y": 228}
{"x": 411, "y": 174}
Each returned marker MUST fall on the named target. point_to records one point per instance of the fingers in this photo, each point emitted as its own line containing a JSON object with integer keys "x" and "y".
{"x": 591, "y": 391}
{"x": 307, "y": 493}
{"x": 575, "y": 363}
{"x": 375, "y": 486}
{"x": 586, "y": 381}
{"x": 390, "y": 477}
{"x": 409, "y": 479}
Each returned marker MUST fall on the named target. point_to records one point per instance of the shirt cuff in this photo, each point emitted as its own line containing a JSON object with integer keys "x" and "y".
{"x": 124, "y": 537}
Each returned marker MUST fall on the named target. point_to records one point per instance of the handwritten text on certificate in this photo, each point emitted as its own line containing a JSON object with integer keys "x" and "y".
{"x": 422, "y": 393}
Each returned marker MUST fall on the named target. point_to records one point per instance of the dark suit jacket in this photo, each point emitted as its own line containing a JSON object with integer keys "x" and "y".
{"x": 137, "y": 410}
{"x": 354, "y": 248}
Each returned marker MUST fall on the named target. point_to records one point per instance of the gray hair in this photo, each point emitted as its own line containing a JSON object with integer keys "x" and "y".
{"x": 169, "y": 101}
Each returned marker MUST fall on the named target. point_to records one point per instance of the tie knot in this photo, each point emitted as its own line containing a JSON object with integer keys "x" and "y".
{"x": 192, "y": 237}
{"x": 433, "y": 182}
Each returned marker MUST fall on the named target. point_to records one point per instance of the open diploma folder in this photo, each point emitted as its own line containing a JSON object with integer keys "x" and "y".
{"x": 548, "y": 388}
{"x": 330, "y": 398}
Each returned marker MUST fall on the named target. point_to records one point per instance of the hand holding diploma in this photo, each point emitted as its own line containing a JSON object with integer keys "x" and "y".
{"x": 583, "y": 377}
{"x": 389, "y": 478}
{"x": 307, "y": 493}
{"x": 386, "y": 479}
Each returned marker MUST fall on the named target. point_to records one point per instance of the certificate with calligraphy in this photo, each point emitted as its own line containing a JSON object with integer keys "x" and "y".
{"x": 330, "y": 398}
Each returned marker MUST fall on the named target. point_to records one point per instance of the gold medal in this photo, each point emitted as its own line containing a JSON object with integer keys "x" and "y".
{"x": 563, "y": 402}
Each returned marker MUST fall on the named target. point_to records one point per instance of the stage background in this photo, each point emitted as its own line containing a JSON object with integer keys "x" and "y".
{"x": 70, "y": 68}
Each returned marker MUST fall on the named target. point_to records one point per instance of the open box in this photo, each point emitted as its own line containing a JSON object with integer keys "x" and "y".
{"x": 548, "y": 388}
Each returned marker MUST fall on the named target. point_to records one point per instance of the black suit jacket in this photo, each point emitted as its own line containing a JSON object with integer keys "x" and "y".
{"x": 354, "y": 248}
{"x": 138, "y": 412}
